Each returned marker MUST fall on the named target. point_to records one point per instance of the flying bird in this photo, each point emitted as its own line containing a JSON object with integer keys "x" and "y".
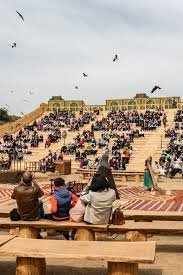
{"x": 76, "y": 87}
{"x": 85, "y": 75}
{"x": 31, "y": 93}
{"x": 11, "y": 91}
{"x": 155, "y": 88}
{"x": 22, "y": 113}
{"x": 115, "y": 58}
{"x": 21, "y": 16}
{"x": 25, "y": 100}
{"x": 13, "y": 45}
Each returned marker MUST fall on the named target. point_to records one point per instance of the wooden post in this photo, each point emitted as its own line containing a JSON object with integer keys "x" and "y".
{"x": 85, "y": 235}
{"x": 137, "y": 178}
{"x": 123, "y": 178}
{"x": 135, "y": 236}
{"x": 26, "y": 265}
{"x": 122, "y": 268}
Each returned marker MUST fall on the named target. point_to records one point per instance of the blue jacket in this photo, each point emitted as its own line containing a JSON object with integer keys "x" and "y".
{"x": 63, "y": 197}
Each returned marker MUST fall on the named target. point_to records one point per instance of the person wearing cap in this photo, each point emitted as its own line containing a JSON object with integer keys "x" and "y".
{"x": 27, "y": 194}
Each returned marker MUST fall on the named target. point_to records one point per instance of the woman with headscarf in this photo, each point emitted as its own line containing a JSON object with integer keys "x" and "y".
{"x": 104, "y": 169}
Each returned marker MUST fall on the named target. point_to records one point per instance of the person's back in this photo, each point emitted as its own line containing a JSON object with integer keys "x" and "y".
{"x": 99, "y": 201}
{"x": 27, "y": 195}
{"x": 61, "y": 201}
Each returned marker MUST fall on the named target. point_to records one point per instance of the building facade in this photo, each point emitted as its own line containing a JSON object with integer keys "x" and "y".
{"x": 139, "y": 102}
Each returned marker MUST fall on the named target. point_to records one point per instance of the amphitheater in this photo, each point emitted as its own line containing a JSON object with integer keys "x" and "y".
{"x": 169, "y": 249}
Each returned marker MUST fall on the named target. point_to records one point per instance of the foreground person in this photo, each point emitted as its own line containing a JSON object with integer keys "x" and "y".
{"x": 27, "y": 195}
{"x": 104, "y": 170}
{"x": 62, "y": 200}
{"x": 99, "y": 201}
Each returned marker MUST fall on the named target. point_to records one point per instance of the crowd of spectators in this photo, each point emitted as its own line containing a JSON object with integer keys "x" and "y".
{"x": 171, "y": 160}
{"x": 127, "y": 120}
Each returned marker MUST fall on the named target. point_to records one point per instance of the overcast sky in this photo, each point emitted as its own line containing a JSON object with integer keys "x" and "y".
{"x": 61, "y": 39}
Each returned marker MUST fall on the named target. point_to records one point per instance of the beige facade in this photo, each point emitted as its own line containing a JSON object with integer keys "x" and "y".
{"x": 139, "y": 102}
{"x": 58, "y": 103}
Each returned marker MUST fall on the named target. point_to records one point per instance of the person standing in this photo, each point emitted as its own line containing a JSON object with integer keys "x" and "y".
{"x": 104, "y": 169}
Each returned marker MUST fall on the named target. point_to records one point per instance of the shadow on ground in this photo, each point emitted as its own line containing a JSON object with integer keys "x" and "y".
{"x": 8, "y": 268}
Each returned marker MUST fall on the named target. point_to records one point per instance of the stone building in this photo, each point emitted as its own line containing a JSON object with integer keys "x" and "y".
{"x": 139, "y": 102}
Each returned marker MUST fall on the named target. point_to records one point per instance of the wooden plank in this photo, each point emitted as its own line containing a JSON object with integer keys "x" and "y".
{"x": 141, "y": 252}
{"x": 5, "y": 238}
{"x": 7, "y": 223}
{"x": 155, "y": 227}
{"x": 153, "y": 215}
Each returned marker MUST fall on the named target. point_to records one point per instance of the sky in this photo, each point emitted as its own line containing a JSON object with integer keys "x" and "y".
{"x": 59, "y": 40}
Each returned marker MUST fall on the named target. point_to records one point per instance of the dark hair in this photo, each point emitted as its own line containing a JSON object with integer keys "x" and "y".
{"x": 59, "y": 182}
{"x": 99, "y": 183}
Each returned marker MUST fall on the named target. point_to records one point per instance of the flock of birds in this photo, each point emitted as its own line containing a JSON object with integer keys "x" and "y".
{"x": 115, "y": 58}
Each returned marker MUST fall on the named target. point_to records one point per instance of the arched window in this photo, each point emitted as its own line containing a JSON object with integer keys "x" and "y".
{"x": 114, "y": 106}
{"x": 73, "y": 107}
{"x": 150, "y": 104}
{"x": 56, "y": 106}
{"x": 132, "y": 105}
{"x": 169, "y": 103}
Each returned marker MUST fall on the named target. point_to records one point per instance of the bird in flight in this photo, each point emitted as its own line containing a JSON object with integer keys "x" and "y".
{"x": 22, "y": 113}
{"x": 13, "y": 45}
{"x": 25, "y": 100}
{"x": 11, "y": 91}
{"x": 155, "y": 88}
{"x": 21, "y": 16}
{"x": 31, "y": 93}
{"x": 76, "y": 87}
{"x": 85, "y": 75}
{"x": 115, "y": 58}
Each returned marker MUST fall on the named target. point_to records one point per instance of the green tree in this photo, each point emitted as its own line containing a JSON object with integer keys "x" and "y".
{"x": 4, "y": 115}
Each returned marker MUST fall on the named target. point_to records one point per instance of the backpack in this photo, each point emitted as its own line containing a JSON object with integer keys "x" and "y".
{"x": 14, "y": 215}
{"x": 118, "y": 217}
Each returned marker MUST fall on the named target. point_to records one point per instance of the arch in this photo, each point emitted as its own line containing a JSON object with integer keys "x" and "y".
{"x": 73, "y": 106}
{"x": 114, "y": 106}
{"x": 150, "y": 104}
{"x": 55, "y": 106}
{"x": 131, "y": 105}
{"x": 168, "y": 103}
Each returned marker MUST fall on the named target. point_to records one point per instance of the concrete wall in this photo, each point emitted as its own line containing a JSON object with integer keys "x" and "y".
{"x": 13, "y": 127}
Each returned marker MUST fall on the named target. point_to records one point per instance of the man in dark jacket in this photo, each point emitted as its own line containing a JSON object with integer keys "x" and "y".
{"x": 27, "y": 195}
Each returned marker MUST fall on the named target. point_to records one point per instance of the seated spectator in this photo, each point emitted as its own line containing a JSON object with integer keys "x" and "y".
{"x": 61, "y": 201}
{"x": 176, "y": 167}
{"x": 104, "y": 169}
{"x": 99, "y": 201}
{"x": 27, "y": 195}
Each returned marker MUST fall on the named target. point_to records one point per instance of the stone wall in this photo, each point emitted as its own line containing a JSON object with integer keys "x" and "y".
{"x": 13, "y": 127}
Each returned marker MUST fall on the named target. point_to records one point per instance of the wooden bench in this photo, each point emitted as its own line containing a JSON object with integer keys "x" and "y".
{"x": 122, "y": 258}
{"x": 136, "y": 231}
{"x": 118, "y": 175}
{"x": 140, "y": 215}
{"x": 31, "y": 229}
